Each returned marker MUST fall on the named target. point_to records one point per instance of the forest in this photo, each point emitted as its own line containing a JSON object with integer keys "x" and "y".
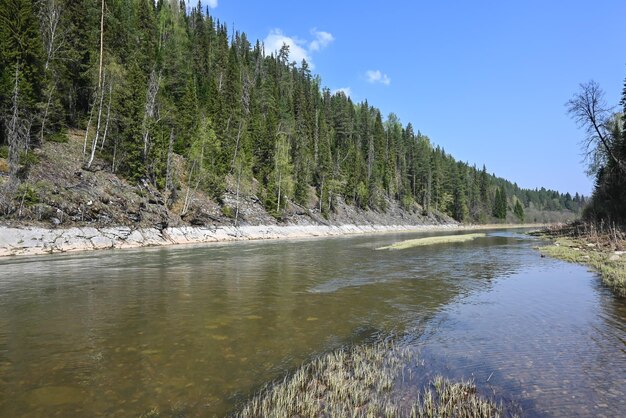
{"x": 145, "y": 82}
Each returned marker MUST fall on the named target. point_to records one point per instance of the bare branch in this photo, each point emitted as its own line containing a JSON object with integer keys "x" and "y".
{"x": 590, "y": 111}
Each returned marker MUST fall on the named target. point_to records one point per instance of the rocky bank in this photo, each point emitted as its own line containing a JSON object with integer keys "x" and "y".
{"x": 37, "y": 240}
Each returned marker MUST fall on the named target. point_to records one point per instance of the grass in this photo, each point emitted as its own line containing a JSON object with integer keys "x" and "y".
{"x": 364, "y": 382}
{"x": 445, "y": 239}
{"x": 598, "y": 246}
{"x": 611, "y": 265}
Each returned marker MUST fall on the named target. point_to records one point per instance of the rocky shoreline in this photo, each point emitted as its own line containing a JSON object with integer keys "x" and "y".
{"x": 16, "y": 241}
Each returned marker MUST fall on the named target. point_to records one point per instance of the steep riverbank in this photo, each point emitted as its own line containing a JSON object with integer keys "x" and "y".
{"x": 39, "y": 240}
{"x": 60, "y": 207}
{"x": 36, "y": 240}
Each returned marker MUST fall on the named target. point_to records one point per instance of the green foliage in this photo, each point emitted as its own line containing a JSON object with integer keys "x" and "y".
{"x": 605, "y": 145}
{"x": 28, "y": 159}
{"x": 407, "y": 202}
{"x": 59, "y": 137}
{"x": 228, "y": 212}
{"x": 500, "y": 204}
{"x": 4, "y": 151}
{"x": 27, "y": 195}
{"x": 181, "y": 82}
{"x": 518, "y": 211}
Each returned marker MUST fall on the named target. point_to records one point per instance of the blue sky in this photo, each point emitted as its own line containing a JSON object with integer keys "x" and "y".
{"x": 486, "y": 80}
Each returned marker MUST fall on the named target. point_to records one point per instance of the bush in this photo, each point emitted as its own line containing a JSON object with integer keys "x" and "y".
{"x": 406, "y": 202}
{"x": 228, "y": 212}
{"x": 4, "y": 151}
{"x": 59, "y": 137}
{"x": 27, "y": 194}
{"x": 28, "y": 159}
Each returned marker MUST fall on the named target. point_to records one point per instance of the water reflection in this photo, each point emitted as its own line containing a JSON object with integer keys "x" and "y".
{"x": 197, "y": 329}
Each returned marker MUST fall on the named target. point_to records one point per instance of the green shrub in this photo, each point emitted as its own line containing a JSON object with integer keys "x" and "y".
{"x": 59, "y": 137}
{"x": 228, "y": 212}
{"x": 27, "y": 194}
{"x": 29, "y": 159}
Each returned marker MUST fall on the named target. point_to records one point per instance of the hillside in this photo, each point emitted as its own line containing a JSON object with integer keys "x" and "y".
{"x": 59, "y": 192}
{"x": 144, "y": 113}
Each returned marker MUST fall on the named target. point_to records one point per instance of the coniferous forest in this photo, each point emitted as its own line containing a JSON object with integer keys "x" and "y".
{"x": 150, "y": 84}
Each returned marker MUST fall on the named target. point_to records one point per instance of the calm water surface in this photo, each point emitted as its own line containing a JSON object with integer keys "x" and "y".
{"x": 194, "y": 331}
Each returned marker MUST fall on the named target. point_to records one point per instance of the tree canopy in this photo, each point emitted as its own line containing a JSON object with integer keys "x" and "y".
{"x": 146, "y": 80}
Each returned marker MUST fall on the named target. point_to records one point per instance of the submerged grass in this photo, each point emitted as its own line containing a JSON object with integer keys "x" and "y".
{"x": 445, "y": 239}
{"x": 364, "y": 382}
{"x": 610, "y": 264}
{"x": 599, "y": 246}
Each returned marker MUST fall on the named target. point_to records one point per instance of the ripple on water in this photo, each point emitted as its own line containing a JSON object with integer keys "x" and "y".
{"x": 122, "y": 332}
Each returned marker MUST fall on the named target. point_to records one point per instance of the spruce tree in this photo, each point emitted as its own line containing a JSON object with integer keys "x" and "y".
{"x": 519, "y": 211}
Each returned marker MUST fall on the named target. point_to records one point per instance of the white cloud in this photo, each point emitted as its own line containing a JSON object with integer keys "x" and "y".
{"x": 299, "y": 49}
{"x": 345, "y": 90}
{"x": 212, "y": 4}
{"x": 322, "y": 39}
{"x": 376, "y": 76}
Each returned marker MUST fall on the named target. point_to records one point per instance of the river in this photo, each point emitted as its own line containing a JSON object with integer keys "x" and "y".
{"x": 196, "y": 330}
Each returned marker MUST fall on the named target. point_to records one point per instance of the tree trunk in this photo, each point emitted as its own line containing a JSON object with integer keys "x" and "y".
{"x": 46, "y": 110}
{"x": 168, "y": 173}
{"x": 13, "y": 131}
{"x": 237, "y": 198}
{"x": 94, "y": 143}
{"x": 153, "y": 89}
{"x": 236, "y": 146}
{"x": 106, "y": 125}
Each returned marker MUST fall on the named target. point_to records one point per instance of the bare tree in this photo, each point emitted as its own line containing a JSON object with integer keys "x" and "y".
{"x": 17, "y": 130}
{"x": 149, "y": 113}
{"x": 54, "y": 40}
{"x": 589, "y": 109}
{"x": 94, "y": 143}
{"x": 170, "y": 154}
{"x": 52, "y": 35}
{"x": 99, "y": 94}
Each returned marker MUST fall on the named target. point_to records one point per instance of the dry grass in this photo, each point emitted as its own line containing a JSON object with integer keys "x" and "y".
{"x": 446, "y": 239}
{"x": 360, "y": 382}
{"x": 4, "y": 166}
{"x": 600, "y": 246}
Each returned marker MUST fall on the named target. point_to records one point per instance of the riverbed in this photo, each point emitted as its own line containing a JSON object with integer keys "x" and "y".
{"x": 196, "y": 331}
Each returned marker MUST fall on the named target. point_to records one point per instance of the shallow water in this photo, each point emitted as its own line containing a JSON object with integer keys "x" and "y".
{"x": 196, "y": 330}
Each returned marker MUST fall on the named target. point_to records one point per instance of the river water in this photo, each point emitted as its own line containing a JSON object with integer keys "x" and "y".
{"x": 195, "y": 331}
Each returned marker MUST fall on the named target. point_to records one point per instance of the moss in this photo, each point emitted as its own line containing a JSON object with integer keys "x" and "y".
{"x": 446, "y": 239}
{"x": 611, "y": 265}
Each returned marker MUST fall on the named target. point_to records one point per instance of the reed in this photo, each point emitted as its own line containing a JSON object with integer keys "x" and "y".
{"x": 365, "y": 382}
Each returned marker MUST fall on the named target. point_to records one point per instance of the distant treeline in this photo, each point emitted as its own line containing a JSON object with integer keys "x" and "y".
{"x": 151, "y": 81}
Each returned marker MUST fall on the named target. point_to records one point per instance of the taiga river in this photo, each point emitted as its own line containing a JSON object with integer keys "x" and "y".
{"x": 195, "y": 331}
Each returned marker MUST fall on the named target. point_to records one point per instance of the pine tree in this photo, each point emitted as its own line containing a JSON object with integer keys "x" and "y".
{"x": 500, "y": 204}
{"x": 21, "y": 72}
{"x": 170, "y": 77}
{"x": 519, "y": 211}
